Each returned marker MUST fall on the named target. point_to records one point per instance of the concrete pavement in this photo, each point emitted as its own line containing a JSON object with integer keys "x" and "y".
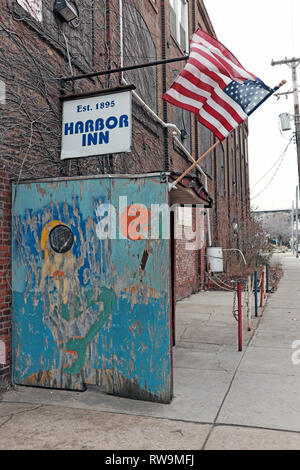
{"x": 224, "y": 399}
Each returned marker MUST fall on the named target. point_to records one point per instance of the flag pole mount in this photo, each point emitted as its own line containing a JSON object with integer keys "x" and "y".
{"x": 173, "y": 185}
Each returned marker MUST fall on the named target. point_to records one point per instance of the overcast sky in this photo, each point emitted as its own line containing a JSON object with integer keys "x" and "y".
{"x": 257, "y": 32}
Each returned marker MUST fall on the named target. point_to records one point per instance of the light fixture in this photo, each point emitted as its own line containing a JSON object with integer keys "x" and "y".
{"x": 65, "y": 9}
{"x": 183, "y": 134}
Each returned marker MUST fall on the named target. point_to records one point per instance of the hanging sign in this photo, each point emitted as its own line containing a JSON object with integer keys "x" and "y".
{"x": 97, "y": 125}
{"x": 34, "y": 7}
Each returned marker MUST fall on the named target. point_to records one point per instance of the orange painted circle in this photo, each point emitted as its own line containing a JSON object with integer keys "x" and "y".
{"x": 134, "y": 222}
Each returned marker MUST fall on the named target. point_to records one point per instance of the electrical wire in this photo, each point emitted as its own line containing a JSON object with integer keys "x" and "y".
{"x": 224, "y": 288}
{"x": 281, "y": 156}
{"x": 224, "y": 283}
{"x": 275, "y": 173}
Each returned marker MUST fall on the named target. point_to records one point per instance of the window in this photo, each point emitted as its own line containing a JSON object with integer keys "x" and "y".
{"x": 179, "y": 20}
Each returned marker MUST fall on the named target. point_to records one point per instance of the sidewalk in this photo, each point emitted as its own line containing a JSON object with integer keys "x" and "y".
{"x": 224, "y": 399}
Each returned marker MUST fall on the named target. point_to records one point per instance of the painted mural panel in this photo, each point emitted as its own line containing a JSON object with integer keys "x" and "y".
{"x": 61, "y": 282}
{"x": 89, "y": 307}
{"x": 142, "y": 355}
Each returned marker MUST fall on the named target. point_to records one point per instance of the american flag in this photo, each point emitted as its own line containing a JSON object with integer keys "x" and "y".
{"x": 216, "y": 87}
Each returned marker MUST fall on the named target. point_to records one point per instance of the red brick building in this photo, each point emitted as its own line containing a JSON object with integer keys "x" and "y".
{"x": 38, "y": 48}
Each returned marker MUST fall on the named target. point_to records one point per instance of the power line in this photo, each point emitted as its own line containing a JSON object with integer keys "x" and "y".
{"x": 276, "y": 171}
{"x": 282, "y": 155}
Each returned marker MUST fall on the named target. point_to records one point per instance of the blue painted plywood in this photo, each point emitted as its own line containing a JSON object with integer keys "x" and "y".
{"x": 90, "y": 309}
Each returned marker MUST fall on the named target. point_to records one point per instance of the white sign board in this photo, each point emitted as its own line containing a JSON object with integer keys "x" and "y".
{"x": 34, "y": 7}
{"x": 97, "y": 125}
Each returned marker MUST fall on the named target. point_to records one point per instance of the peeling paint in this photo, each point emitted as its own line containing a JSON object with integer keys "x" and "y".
{"x": 97, "y": 312}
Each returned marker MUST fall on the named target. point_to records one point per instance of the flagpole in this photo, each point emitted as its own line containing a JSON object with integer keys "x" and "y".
{"x": 283, "y": 82}
{"x": 172, "y": 185}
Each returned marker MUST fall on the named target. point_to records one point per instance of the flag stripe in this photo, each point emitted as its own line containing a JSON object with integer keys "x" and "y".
{"x": 231, "y": 71}
{"x": 200, "y": 53}
{"x": 219, "y": 49}
{"x": 192, "y": 67}
{"x": 230, "y": 105}
{"x": 200, "y": 34}
{"x": 214, "y": 125}
{"x": 216, "y": 115}
{"x": 216, "y": 87}
{"x": 223, "y": 132}
{"x": 233, "y": 121}
{"x": 188, "y": 87}
{"x": 237, "y": 71}
{"x": 172, "y": 100}
{"x": 211, "y": 107}
{"x": 189, "y": 73}
{"x": 191, "y": 84}
{"x": 207, "y": 68}
{"x": 214, "y": 106}
{"x": 210, "y": 126}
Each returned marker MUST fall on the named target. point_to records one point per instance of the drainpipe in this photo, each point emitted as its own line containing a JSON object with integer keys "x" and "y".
{"x": 164, "y": 83}
{"x": 121, "y": 36}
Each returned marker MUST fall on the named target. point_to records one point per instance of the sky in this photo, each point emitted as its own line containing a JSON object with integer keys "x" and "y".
{"x": 257, "y": 32}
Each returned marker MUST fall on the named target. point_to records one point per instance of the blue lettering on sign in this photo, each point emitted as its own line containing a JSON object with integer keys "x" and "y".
{"x": 112, "y": 122}
{"x": 95, "y": 139}
{"x": 79, "y": 127}
{"x": 94, "y": 132}
{"x": 69, "y": 128}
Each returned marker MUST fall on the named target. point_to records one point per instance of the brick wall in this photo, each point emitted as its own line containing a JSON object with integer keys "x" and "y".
{"x": 190, "y": 259}
{"x": 5, "y": 278}
{"x": 33, "y": 58}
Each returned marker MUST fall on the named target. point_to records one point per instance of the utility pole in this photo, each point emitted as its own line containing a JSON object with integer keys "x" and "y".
{"x": 293, "y": 64}
{"x": 293, "y": 238}
{"x": 297, "y": 224}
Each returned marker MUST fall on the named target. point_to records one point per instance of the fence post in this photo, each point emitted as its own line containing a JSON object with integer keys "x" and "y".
{"x": 267, "y": 278}
{"x": 249, "y": 295}
{"x": 240, "y": 324}
{"x": 262, "y": 289}
{"x": 255, "y": 293}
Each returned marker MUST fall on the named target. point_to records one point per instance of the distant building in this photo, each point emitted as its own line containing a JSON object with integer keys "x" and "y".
{"x": 277, "y": 224}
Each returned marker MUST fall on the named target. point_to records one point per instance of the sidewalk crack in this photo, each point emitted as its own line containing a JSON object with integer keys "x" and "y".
{"x": 8, "y": 419}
